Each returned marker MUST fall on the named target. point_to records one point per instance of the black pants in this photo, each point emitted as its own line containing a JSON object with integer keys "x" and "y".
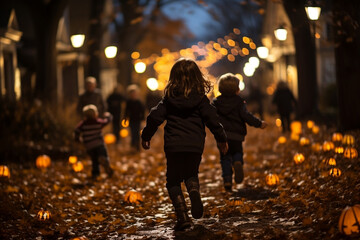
{"x": 285, "y": 121}
{"x": 95, "y": 153}
{"x": 181, "y": 166}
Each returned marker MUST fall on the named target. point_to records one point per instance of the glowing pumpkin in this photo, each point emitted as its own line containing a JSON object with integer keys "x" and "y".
{"x": 304, "y": 141}
{"x": 296, "y": 127}
{"x": 78, "y": 167}
{"x": 299, "y": 158}
{"x": 315, "y": 129}
{"x": 328, "y": 146}
{"x": 235, "y": 202}
{"x": 316, "y": 147}
{"x": 43, "y": 215}
{"x": 272, "y": 179}
{"x": 294, "y": 137}
{"x": 330, "y": 161}
{"x": 348, "y": 139}
{"x": 278, "y": 122}
{"x": 349, "y": 222}
{"x": 339, "y": 150}
{"x": 337, "y": 137}
{"x": 124, "y": 133}
{"x": 350, "y": 152}
{"x": 335, "y": 172}
{"x": 80, "y": 238}
{"x": 109, "y": 138}
{"x": 282, "y": 140}
{"x": 133, "y": 196}
{"x": 310, "y": 124}
{"x": 43, "y": 161}
{"x": 125, "y": 123}
{"x": 73, "y": 159}
{"x": 4, "y": 172}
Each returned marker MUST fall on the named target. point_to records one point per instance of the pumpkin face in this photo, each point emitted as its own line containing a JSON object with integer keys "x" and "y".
{"x": 339, "y": 150}
{"x": 43, "y": 161}
{"x": 330, "y": 161}
{"x": 315, "y": 129}
{"x": 43, "y": 215}
{"x": 235, "y": 202}
{"x": 335, "y": 172}
{"x": 109, "y": 138}
{"x": 73, "y": 159}
{"x": 310, "y": 124}
{"x": 282, "y": 140}
{"x": 296, "y": 127}
{"x": 350, "y": 152}
{"x": 337, "y": 137}
{"x": 348, "y": 139}
{"x": 272, "y": 179}
{"x": 304, "y": 141}
{"x": 78, "y": 167}
{"x": 4, "y": 172}
{"x": 328, "y": 146}
{"x": 349, "y": 222}
{"x": 299, "y": 158}
{"x": 133, "y": 196}
{"x": 125, "y": 123}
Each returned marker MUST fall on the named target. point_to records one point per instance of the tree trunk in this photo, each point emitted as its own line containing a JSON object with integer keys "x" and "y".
{"x": 305, "y": 58}
{"x": 347, "y": 53}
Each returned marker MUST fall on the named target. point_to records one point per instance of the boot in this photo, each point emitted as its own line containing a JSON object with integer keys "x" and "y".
{"x": 178, "y": 201}
{"x": 239, "y": 172}
{"x": 228, "y": 183}
{"x": 193, "y": 188}
{"x": 105, "y": 163}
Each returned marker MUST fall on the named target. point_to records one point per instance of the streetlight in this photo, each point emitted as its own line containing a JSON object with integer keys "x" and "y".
{"x": 152, "y": 84}
{"x": 263, "y": 52}
{"x": 281, "y": 33}
{"x": 110, "y": 51}
{"x": 140, "y": 67}
{"x": 313, "y": 10}
{"x": 77, "y": 40}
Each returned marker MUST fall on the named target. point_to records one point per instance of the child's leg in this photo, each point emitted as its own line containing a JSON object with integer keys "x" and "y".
{"x": 104, "y": 160}
{"x": 135, "y": 134}
{"x": 238, "y": 163}
{"x": 95, "y": 162}
{"x": 226, "y": 166}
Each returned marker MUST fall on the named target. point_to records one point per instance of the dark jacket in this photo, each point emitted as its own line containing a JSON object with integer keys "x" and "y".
{"x": 233, "y": 116}
{"x": 185, "y": 123}
{"x": 91, "y": 98}
{"x": 284, "y": 100}
{"x": 134, "y": 111}
{"x": 114, "y": 102}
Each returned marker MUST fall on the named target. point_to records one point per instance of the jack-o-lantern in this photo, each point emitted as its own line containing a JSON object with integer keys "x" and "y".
{"x": 348, "y": 139}
{"x": 109, "y": 138}
{"x": 310, "y": 124}
{"x": 80, "y": 238}
{"x": 296, "y": 127}
{"x": 4, "y": 172}
{"x": 133, "y": 196}
{"x": 294, "y": 137}
{"x": 337, "y": 137}
{"x": 299, "y": 158}
{"x": 278, "y": 122}
{"x": 43, "y": 161}
{"x": 315, "y": 129}
{"x": 272, "y": 179}
{"x": 330, "y": 161}
{"x": 335, "y": 172}
{"x": 43, "y": 215}
{"x": 73, "y": 159}
{"x": 339, "y": 150}
{"x": 78, "y": 167}
{"x": 124, "y": 133}
{"x": 316, "y": 147}
{"x": 349, "y": 222}
{"x": 125, "y": 123}
{"x": 282, "y": 140}
{"x": 304, "y": 141}
{"x": 235, "y": 202}
{"x": 328, "y": 146}
{"x": 350, "y": 152}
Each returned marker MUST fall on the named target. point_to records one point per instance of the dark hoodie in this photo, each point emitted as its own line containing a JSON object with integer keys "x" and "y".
{"x": 185, "y": 123}
{"x": 233, "y": 116}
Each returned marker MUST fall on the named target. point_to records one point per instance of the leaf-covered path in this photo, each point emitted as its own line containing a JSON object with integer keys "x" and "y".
{"x": 306, "y": 204}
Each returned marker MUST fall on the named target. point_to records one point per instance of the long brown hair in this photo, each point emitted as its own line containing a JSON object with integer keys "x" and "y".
{"x": 185, "y": 77}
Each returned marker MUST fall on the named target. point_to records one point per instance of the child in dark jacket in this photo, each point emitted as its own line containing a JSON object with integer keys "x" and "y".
{"x": 90, "y": 131}
{"x": 233, "y": 115}
{"x": 186, "y": 110}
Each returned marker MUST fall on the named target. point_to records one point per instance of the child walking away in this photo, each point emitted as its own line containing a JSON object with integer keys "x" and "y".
{"x": 233, "y": 115}
{"x": 187, "y": 110}
{"x": 90, "y": 131}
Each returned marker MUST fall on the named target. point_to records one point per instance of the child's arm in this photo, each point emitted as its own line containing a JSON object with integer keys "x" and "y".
{"x": 155, "y": 118}
{"x": 77, "y": 132}
{"x": 248, "y": 117}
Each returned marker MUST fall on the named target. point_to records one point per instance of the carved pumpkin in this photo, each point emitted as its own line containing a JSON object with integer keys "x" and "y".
{"x": 339, "y": 150}
{"x": 315, "y": 129}
{"x": 349, "y": 222}
{"x": 304, "y": 141}
{"x": 350, "y": 152}
{"x": 282, "y": 140}
{"x": 124, "y": 133}
{"x": 109, "y": 138}
{"x": 125, "y": 123}
{"x": 316, "y": 147}
{"x": 328, "y": 146}
{"x": 310, "y": 124}
{"x": 272, "y": 179}
{"x": 43, "y": 161}
{"x": 348, "y": 139}
{"x": 299, "y": 158}
{"x": 235, "y": 202}
{"x": 295, "y": 127}
{"x": 4, "y": 172}
{"x": 337, "y": 137}
{"x": 335, "y": 172}
{"x": 330, "y": 161}
{"x": 78, "y": 167}
{"x": 73, "y": 159}
{"x": 43, "y": 215}
{"x": 133, "y": 196}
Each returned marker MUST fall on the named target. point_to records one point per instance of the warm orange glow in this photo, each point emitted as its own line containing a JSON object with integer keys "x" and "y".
{"x": 236, "y": 31}
{"x": 231, "y": 42}
{"x": 315, "y": 129}
{"x": 109, "y": 138}
{"x": 252, "y": 45}
{"x": 133, "y": 196}
{"x": 73, "y": 159}
{"x": 339, "y": 150}
{"x": 317, "y": 35}
{"x": 43, "y": 215}
{"x": 135, "y": 55}
{"x": 335, "y": 172}
{"x": 349, "y": 221}
{"x": 231, "y": 57}
{"x": 224, "y": 51}
{"x": 124, "y": 133}
{"x": 350, "y": 152}
{"x": 316, "y": 147}
{"x": 278, "y": 122}
{"x": 78, "y": 167}
{"x": 270, "y": 90}
{"x": 125, "y": 123}
{"x": 295, "y": 127}
{"x": 337, "y": 137}
{"x": 348, "y": 139}
{"x": 328, "y": 146}
{"x": 245, "y": 51}
{"x": 304, "y": 141}
{"x": 272, "y": 179}
{"x": 299, "y": 158}
{"x": 282, "y": 140}
{"x": 330, "y": 161}
{"x": 246, "y": 40}
{"x": 4, "y": 172}
{"x": 294, "y": 137}
{"x": 310, "y": 124}
{"x": 43, "y": 161}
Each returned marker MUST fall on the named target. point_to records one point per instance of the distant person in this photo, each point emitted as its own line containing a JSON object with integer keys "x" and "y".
{"x": 91, "y": 95}
{"x": 134, "y": 113}
{"x": 234, "y": 116}
{"x": 285, "y": 102}
{"x": 186, "y": 110}
{"x": 256, "y": 96}
{"x": 90, "y": 131}
{"x": 114, "y": 104}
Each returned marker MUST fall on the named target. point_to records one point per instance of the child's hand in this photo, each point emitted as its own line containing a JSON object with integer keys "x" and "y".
{"x": 107, "y": 114}
{"x": 263, "y": 124}
{"x": 223, "y": 147}
{"x": 145, "y": 144}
